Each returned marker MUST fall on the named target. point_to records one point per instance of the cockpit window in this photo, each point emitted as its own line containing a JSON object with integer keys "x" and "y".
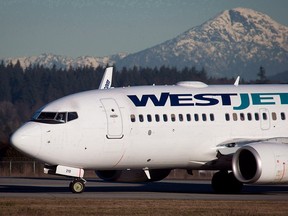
{"x": 54, "y": 117}
{"x": 61, "y": 117}
{"x": 72, "y": 116}
{"x": 47, "y": 116}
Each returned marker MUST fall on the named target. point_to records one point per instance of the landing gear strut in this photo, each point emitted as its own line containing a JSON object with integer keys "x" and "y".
{"x": 224, "y": 182}
{"x": 77, "y": 185}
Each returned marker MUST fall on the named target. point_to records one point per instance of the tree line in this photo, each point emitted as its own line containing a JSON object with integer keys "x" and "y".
{"x": 23, "y": 91}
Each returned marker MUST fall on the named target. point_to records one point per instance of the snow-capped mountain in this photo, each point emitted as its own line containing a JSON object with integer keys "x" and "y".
{"x": 64, "y": 62}
{"x": 236, "y": 42}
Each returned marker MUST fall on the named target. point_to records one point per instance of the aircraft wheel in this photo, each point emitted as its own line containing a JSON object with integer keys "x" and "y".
{"x": 234, "y": 186}
{"x": 219, "y": 181}
{"x": 77, "y": 186}
{"x": 226, "y": 183}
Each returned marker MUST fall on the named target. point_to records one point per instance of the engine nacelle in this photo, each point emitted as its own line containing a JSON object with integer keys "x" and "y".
{"x": 264, "y": 162}
{"x": 132, "y": 175}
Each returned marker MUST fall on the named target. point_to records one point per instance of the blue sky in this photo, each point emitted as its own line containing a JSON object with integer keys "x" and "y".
{"x": 99, "y": 28}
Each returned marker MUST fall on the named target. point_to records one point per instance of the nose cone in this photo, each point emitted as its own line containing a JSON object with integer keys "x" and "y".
{"x": 27, "y": 139}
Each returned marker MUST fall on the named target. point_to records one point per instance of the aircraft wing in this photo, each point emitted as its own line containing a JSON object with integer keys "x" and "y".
{"x": 227, "y": 150}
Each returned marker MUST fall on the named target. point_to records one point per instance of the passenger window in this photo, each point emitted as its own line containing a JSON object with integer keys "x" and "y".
{"x": 227, "y": 117}
{"x": 149, "y": 118}
{"x": 235, "y": 118}
{"x": 274, "y": 116}
{"x": 283, "y": 117}
{"x": 204, "y": 118}
{"x": 180, "y": 117}
{"x": 188, "y": 116}
{"x": 157, "y": 118}
{"x": 196, "y": 117}
{"x": 132, "y": 117}
{"x": 73, "y": 115}
{"x": 212, "y": 117}
{"x": 242, "y": 117}
{"x": 141, "y": 118}
{"x": 173, "y": 118}
{"x": 249, "y": 116}
{"x": 264, "y": 116}
{"x": 165, "y": 118}
{"x": 257, "y": 116}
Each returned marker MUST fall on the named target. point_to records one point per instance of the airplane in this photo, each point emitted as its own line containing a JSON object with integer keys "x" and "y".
{"x": 141, "y": 133}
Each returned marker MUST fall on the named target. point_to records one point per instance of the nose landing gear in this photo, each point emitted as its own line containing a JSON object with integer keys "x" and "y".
{"x": 77, "y": 185}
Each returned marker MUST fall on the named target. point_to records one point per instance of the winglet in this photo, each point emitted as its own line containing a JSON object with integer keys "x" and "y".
{"x": 236, "y": 83}
{"x": 106, "y": 79}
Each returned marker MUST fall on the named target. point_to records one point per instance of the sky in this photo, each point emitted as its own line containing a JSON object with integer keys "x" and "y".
{"x": 104, "y": 27}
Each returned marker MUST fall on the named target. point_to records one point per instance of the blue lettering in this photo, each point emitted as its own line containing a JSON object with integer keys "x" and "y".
{"x": 107, "y": 84}
{"x": 179, "y": 99}
{"x": 153, "y": 98}
{"x": 226, "y": 99}
{"x": 209, "y": 100}
{"x": 244, "y": 102}
{"x": 283, "y": 98}
{"x": 261, "y": 99}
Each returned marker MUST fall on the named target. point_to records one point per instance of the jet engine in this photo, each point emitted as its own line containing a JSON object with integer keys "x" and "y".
{"x": 132, "y": 175}
{"x": 263, "y": 162}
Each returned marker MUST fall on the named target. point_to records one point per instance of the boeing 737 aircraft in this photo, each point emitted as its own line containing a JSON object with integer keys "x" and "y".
{"x": 142, "y": 133}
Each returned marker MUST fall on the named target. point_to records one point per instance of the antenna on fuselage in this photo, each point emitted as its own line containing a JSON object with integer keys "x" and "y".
{"x": 236, "y": 83}
{"x": 106, "y": 79}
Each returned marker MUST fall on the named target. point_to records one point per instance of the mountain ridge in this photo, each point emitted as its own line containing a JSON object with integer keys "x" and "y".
{"x": 234, "y": 42}
{"x": 64, "y": 62}
{"x": 252, "y": 38}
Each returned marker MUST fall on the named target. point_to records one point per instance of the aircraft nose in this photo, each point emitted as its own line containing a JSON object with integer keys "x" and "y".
{"x": 27, "y": 139}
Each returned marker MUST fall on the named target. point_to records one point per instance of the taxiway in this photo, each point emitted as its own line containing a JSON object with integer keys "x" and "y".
{"x": 166, "y": 189}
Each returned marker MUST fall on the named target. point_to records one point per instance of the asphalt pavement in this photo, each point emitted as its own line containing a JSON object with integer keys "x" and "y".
{"x": 166, "y": 189}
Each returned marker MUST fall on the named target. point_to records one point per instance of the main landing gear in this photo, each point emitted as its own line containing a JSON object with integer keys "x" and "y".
{"x": 224, "y": 182}
{"x": 77, "y": 185}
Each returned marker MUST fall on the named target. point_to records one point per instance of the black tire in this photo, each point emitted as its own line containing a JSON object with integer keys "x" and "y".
{"x": 234, "y": 186}
{"x": 77, "y": 186}
{"x": 226, "y": 183}
{"x": 219, "y": 182}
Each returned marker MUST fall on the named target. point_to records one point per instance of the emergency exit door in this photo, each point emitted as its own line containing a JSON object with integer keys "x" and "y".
{"x": 264, "y": 119}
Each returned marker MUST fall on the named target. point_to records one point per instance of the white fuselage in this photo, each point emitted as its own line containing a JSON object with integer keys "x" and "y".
{"x": 155, "y": 126}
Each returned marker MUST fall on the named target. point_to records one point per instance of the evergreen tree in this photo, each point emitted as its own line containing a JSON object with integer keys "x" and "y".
{"x": 262, "y": 75}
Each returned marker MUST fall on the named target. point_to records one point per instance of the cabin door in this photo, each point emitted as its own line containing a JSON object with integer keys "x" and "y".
{"x": 114, "y": 119}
